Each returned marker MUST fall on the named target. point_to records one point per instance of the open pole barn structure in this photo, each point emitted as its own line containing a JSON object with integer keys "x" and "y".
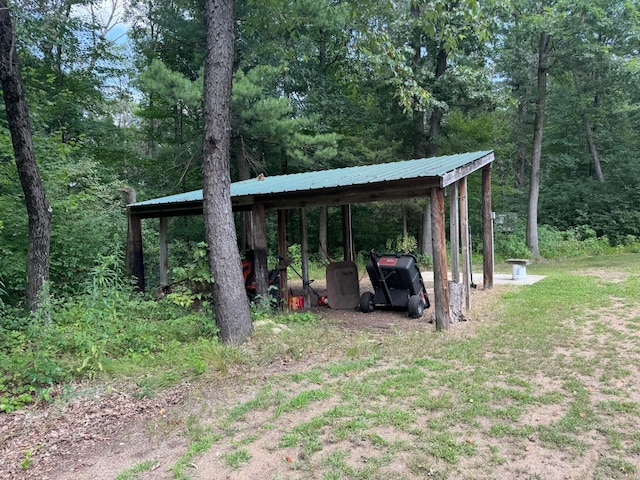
{"x": 419, "y": 178}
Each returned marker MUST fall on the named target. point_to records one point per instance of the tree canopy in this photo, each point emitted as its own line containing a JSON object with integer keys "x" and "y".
{"x": 116, "y": 99}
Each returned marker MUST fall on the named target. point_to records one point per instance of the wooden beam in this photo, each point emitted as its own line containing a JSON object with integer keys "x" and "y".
{"x": 487, "y": 228}
{"x": 464, "y": 240}
{"x": 440, "y": 277}
{"x": 259, "y": 225}
{"x": 164, "y": 252}
{"x": 282, "y": 251}
{"x": 304, "y": 247}
{"x": 347, "y": 233}
{"x": 461, "y": 172}
{"x": 454, "y": 233}
{"x": 337, "y": 196}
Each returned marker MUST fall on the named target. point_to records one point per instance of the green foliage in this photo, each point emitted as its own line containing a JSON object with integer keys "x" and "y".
{"x": 192, "y": 281}
{"x": 271, "y": 127}
{"x": 403, "y": 244}
{"x": 555, "y": 244}
{"x": 511, "y": 245}
{"x": 573, "y": 243}
{"x": 88, "y": 335}
{"x": 87, "y": 220}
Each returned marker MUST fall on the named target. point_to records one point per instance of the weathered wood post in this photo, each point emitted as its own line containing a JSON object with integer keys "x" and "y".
{"x": 261, "y": 269}
{"x": 487, "y": 228}
{"x": 440, "y": 276}
{"x": 347, "y": 234}
{"x": 304, "y": 247}
{"x": 164, "y": 252}
{"x": 454, "y": 233}
{"x": 464, "y": 240}
{"x": 282, "y": 252}
{"x": 134, "y": 258}
{"x": 323, "y": 246}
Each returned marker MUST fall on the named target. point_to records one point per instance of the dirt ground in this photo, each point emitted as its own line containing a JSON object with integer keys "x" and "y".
{"x": 95, "y": 433}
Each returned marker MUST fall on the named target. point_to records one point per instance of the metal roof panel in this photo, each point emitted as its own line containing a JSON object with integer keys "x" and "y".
{"x": 434, "y": 167}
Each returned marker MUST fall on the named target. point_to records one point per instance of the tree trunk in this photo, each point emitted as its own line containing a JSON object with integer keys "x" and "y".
{"x": 593, "y": 149}
{"x": 405, "y": 228}
{"x": 541, "y": 105}
{"x": 38, "y": 209}
{"x": 522, "y": 157}
{"x": 420, "y": 141}
{"x": 233, "y": 317}
{"x": 435, "y": 121}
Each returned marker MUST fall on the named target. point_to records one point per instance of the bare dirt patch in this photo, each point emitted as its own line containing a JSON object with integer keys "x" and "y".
{"x": 78, "y": 433}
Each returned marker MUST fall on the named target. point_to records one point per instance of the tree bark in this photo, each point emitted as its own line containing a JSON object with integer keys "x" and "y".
{"x": 405, "y": 227}
{"x": 593, "y": 149}
{"x": 420, "y": 141}
{"x": 435, "y": 121}
{"x": 38, "y": 209}
{"x": 522, "y": 157}
{"x": 541, "y": 106}
{"x": 233, "y": 317}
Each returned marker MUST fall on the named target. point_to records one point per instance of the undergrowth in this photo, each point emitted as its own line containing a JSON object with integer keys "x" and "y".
{"x": 109, "y": 331}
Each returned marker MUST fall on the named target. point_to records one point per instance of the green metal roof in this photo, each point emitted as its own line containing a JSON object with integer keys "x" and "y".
{"x": 363, "y": 183}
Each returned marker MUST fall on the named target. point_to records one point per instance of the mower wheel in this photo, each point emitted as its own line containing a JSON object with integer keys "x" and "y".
{"x": 416, "y": 306}
{"x": 366, "y": 302}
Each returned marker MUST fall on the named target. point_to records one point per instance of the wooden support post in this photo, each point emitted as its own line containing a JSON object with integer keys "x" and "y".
{"x": 454, "y": 233}
{"x": 304, "y": 247}
{"x": 323, "y": 247}
{"x": 164, "y": 252}
{"x": 464, "y": 240}
{"x": 247, "y": 229}
{"x": 347, "y": 233}
{"x": 440, "y": 277}
{"x": 259, "y": 224}
{"x": 487, "y": 228}
{"x": 134, "y": 258}
{"x": 134, "y": 262}
{"x": 282, "y": 251}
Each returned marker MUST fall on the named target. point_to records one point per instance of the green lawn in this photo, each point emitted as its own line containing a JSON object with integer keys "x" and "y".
{"x": 541, "y": 383}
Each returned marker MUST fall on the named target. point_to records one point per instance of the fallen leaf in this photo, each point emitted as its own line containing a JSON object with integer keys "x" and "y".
{"x": 288, "y": 459}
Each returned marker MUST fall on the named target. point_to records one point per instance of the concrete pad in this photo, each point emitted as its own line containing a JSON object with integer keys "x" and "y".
{"x": 507, "y": 279}
{"x": 498, "y": 278}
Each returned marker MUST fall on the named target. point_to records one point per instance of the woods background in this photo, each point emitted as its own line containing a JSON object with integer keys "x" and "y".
{"x": 115, "y": 97}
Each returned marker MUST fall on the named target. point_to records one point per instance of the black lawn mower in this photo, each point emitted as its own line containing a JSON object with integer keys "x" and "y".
{"x": 397, "y": 284}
